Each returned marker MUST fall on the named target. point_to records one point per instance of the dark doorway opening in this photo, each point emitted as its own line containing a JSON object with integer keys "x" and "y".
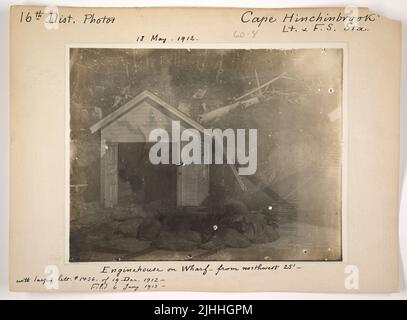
{"x": 142, "y": 182}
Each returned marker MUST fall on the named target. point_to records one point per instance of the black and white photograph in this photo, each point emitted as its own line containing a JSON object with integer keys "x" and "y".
{"x": 205, "y": 154}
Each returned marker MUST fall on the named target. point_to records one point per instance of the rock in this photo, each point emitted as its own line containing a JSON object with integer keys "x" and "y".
{"x": 187, "y": 240}
{"x": 149, "y": 229}
{"x": 212, "y": 244}
{"x": 272, "y": 233}
{"x": 227, "y": 238}
{"x": 234, "y": 239}
{"x": 235, "y": 207}
{"x": 176, "y": 222}
{"x": 139, "y": 211}
{"x": 89, "y": 218}
{"x": 249, "y": 224}
{"x": 192, "y": 236}
{"x": 254, "y": 226}
{"x": 159, "y": 206}
{"x": 108, "y": 230}
{"x": 256, "y": 229}
{"x": 123, "y": 214}
{"x": 130, "y": 227}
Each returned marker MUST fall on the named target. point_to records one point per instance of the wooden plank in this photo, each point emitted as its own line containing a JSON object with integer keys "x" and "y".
{"x": 102, "y": 170}
{"x": 114, "y": 178}
{"x": 109, "y": 177}
{"x": 260, "y": 87}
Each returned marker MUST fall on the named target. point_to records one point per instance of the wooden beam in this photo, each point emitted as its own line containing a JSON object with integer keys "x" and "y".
{"x": 238, "y": 178}
{"x": 260, "y": 87}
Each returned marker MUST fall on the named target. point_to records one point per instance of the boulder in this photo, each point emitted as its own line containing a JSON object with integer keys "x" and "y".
{"x": 149, "y": 229}
{"x": 187, "y": 240}
{"x": 234, "y": 239}
{"x": 256, "y": 229}
{"x": 272, "y": 233}
{"x": 212, "y": 244}
{"x": 108, "y": 230}
{"x": 130, "y": 228}
{"x": 124, "y": 214}
{"x": 235, "y": 207}
{"x": 251, "y": 225}
{"x": 192, "y": 236}
{"x": 227, "y": 238}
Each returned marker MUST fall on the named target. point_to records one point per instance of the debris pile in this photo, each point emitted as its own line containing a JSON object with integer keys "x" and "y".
{"x": 134, "y": 230}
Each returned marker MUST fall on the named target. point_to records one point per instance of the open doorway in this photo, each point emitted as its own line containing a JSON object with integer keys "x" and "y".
{"x": 142, "y": 182}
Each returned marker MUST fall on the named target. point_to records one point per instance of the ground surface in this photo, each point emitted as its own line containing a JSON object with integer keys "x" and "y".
{"x": 297, "y": 241}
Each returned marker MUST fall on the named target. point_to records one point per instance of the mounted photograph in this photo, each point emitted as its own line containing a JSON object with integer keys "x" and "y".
{"x": 205, "y": 154}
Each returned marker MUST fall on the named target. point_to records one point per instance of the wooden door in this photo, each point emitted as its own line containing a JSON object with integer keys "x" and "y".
{"x": 193, "y": 184}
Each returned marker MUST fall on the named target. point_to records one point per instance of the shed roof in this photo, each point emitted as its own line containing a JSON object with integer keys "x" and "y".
{"x": 135, "y": 102}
